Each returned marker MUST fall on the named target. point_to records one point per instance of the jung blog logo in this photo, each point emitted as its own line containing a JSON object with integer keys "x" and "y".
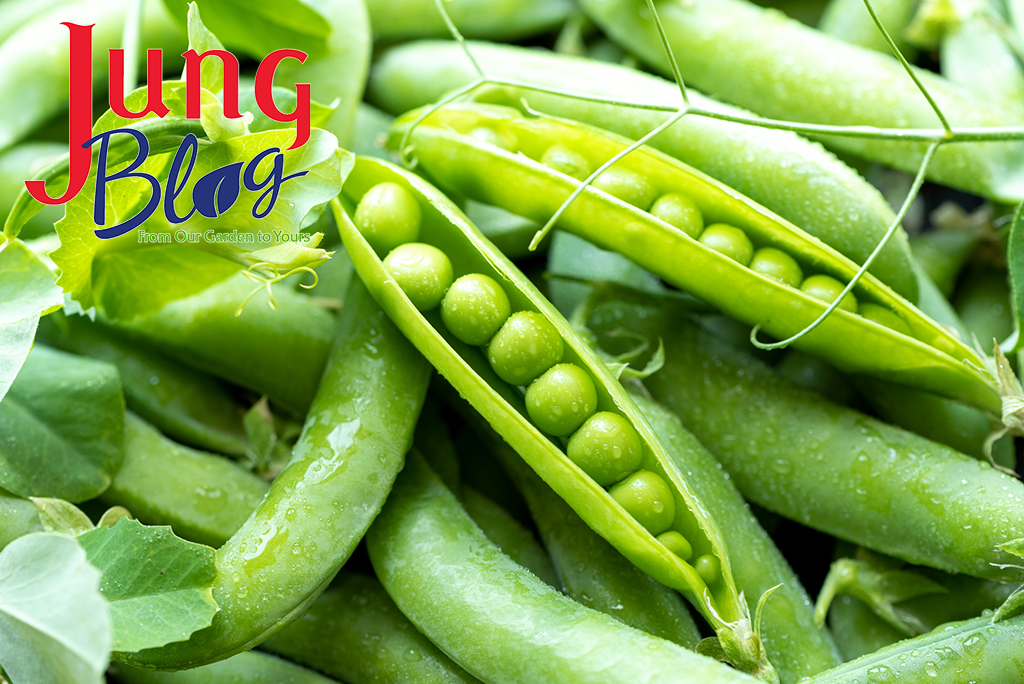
{"x": 81, "y": 139}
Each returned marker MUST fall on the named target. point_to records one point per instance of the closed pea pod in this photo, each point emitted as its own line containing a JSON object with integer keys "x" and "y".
{"x": 591, "y": 389}
{"x": 244, "y": 667}
{"x": 878, "y": 484}
{"x": 930, "y": 358}
{"x": 317, "y": 510}
{"x": 782, "y": 69}
{"x": 436, "y": 564}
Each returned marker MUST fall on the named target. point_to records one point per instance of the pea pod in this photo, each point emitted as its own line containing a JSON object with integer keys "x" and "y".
{"x": 712, "y": 262}
{"x": 825, "y": 466}
{"x": 494, "y": 19}
{"x": 342, "y": 467}
{"x": 530, "y": 344}
{"x": 975, "y": 650}
{"x": 770, "y": 167}
{"x": 280, "y": 353}
{"x": 784, "y": 70}
{"x": 203, "y": 497}
{"x": 591, "y": 571}
{"x": 437, "y": 564}
{"x": 18, "y": 517}
{"x": 857, "y": 630}
{"x": 355, "y": 632}
{"x": 185, "y": 404}
{"x": 244, "y": 667}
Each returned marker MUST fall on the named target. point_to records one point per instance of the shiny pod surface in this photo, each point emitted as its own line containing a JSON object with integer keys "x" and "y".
{"x": 467, "y": 369}
{"x": 932, "y": 358}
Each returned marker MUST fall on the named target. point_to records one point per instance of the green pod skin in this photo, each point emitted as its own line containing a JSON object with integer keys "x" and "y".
{"x": 21, "y": 162}
{"x": 252, "y": 667}
{"x": 829, "y": 467}
{"x": 468, "y": 371}
{"x": 34, "y": 59}
{"x": 183, "y": 403}
{"x": 510, "y": 233}
{"x": 782, "y": 69}
{"x": 770, "y": 167}
{"x": 590, "y": 570}
{"x": 975, "y": 650}
{"x": 203, "y": 497}
{"x": 932, "y": 359}
{"x": 857, "y": 630}
{"x": 517, "y": 542}
{"x": 941, "y": 420}
{"x": 356, "y": 633}
{"x": 342, "y": 468}
{"x": 849, "y": 21}
{"x": 461, "y": 591}
{"x": 796, "y": 647}
{"x": 280, "y": 354}
{"x": 490, "y": 19}
{"x": 943, "y": 254}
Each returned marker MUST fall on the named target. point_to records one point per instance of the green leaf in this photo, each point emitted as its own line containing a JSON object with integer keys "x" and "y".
{"x": 27, "y": 291}
{"x": 114, "y": 277}
{"x": 27, "y": 287}
{"x": 1015, "y": 264}
{"x": 54, "y": 623}
{"x": 1012, "y": 606}
{"x": 258, "y": 27}
{"x": 319, "y": 114}
{"x": 200, "y": 39}
{"x": 61, "y": 427}
{"x": 160, "y": 587}
{"x": 1016, "y": 547}
{"x": 60, "y": 517}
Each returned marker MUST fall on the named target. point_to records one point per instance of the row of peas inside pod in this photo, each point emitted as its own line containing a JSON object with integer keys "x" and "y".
{"x": 681, "y": 212}
{"x": 525, "y": 350}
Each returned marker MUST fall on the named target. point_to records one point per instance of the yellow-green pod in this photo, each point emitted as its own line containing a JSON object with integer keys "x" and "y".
{"x": 466, "y": 367}
{"x": 929, "y": 357}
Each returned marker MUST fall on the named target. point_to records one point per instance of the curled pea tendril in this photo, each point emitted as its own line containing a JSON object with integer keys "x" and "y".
{"x": 266, "y": 282}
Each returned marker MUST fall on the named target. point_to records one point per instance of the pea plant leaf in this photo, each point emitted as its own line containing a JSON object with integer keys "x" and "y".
{"x": 60, "y": 517}
{"x": 54, "y": 623}
{"x": 27, "y": 291}
{"x": 61, "y": 427}
{"x": 131, "y": 275}
{"x": 160, "y": 587}
{"x": 258, "y": 27}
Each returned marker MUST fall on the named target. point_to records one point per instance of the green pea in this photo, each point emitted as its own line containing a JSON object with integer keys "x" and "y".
{"x": 826, "y": 288}
{"x": 730, "y": 241}
{"x": 607, "y": 448}
{"x": 883, "y": 316}
{"x": 567, "y": 161}
{"x": 475, "y": 308}
{"x": 708, "y": 567}
{"x": 776, "y": 264}
{"x": 560, "y": 400}
{"x": 677, "y": 544}
{"x": 486, "y": 134}
{"x": 680, "y": 212}
{"x": 631, "y": 188}
{"x": 388, "y": 216}
{"x": 525, "y": 346}
{"x": 646, "y": 497}
{"x": 423, "y": 272}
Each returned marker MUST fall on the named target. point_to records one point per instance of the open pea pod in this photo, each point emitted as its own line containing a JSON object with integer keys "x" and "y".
{"x": 443, "y": 226}
{"x": 494, "y": 155}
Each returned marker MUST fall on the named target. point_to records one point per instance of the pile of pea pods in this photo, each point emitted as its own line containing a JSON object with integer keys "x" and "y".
{"x": 630, "y": 342}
